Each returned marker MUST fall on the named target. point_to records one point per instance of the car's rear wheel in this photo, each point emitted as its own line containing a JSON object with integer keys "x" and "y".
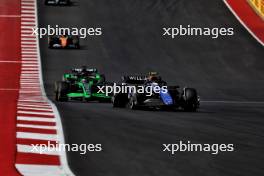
{"x": 190, "y": 100}
{"x": 132, "y": 103}
{"x": 117, "y": 101}
{"x": 77, "y": 46}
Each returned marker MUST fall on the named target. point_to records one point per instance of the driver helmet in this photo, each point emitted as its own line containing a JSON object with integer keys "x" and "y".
{"x": 84, "y": 81}
{"x": 153, "y": 76}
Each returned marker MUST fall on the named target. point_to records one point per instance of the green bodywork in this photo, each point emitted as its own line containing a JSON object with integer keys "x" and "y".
{"x": 84, "y": 85}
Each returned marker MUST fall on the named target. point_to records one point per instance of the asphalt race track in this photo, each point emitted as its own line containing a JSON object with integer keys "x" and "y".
{"x": 228, "y": 72}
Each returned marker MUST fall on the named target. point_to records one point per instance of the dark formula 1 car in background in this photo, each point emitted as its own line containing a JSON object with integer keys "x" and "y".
{"x": 57, "y": 2}
{"x": 81, "y": 84}
{"x": 64, "y": 41}
{"x": 167, "y": 97}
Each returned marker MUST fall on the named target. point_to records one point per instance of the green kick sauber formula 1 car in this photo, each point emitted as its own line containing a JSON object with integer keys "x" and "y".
{"x": 81, "y": 84}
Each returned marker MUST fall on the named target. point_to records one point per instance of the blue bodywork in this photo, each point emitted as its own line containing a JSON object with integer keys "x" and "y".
{"x": 166, "y": 98}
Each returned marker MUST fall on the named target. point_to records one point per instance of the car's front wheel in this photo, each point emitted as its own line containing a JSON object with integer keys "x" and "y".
{"x": 61, "y": 91}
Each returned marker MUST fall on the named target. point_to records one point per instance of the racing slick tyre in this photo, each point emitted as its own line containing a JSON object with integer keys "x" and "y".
{"x": 50, "y": 39}
{"x": 75, "y": 41}
{"x": 61, "y": 91}
{"x": 77, "y": 46}
{"x": 50, "y": 46}
{"x": 115, "y": 102}
{"x": 132, "y": 103}
{"x": 118, "y": 101}
{"x": 190, "y": 100}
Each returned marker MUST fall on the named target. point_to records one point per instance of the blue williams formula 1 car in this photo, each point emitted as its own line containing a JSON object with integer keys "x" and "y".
{"x": 57, "y": 2}
{"x": 167, "y": 96}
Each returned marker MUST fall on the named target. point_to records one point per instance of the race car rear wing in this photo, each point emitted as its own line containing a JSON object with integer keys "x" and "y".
{"x": 88, "y": 70}
{"x": 134, "y": 79}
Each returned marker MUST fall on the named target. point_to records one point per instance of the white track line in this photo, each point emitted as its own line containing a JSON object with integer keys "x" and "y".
{"x": 25, "y": 86}
{"x": 36, "y": 119}
{"x": 36, "y": 113}
{"x": 30, "y": 93}
{"x": 33, "y": 106}
{"x": 37, "y": 126}
{"x": 37, "y": 150}
{"x": 40, "y": 170}
{"x": 30, "y": 83}
{"x": 48, "y": 109}
{"x": 28, "y": 39}
{"x": 31, "y": 101}
{"x": 29, "y": 72}
{"x": 27, "y": 3}
{"x": 39, "y": 136}
{"x": 31, "y": 80}
{"x": 28, "y": 7}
